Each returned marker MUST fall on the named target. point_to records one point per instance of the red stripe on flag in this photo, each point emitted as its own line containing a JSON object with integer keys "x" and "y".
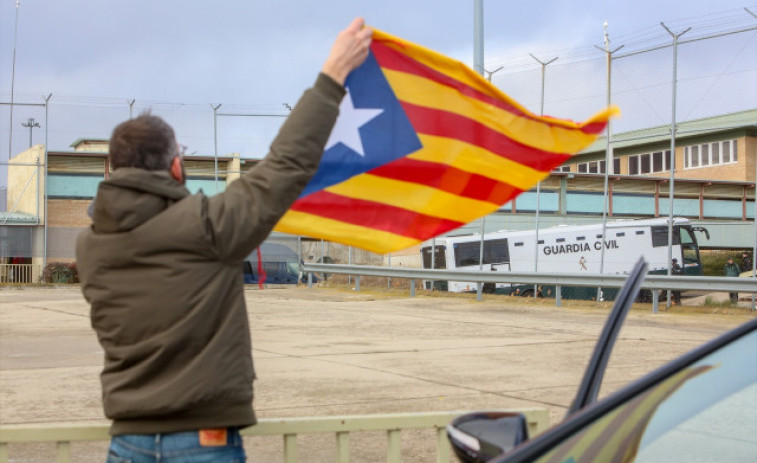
{"x": 391, "y": 58}
{"x": 374, "y": 215}
{"x": 449, "y": 179}
{"x": 452, "y": 125}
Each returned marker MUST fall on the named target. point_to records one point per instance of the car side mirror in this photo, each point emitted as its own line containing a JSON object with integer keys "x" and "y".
{"x": 478, "y": 437}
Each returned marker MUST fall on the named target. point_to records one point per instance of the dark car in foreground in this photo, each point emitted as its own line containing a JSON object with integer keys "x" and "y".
{"x": 701, "y": 407}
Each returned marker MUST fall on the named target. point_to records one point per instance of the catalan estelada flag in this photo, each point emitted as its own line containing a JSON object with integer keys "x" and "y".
{"x": 423, "y": 145}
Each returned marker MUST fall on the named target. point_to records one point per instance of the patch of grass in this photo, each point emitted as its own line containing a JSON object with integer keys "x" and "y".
{"x": 713, "y": 261}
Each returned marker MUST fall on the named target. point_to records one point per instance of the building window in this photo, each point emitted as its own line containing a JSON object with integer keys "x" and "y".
{"x": 598, "y": 167}
{"x": 710, "y": 154}
{"x": 649, "y": 163}
{"x": 565, "y": 168}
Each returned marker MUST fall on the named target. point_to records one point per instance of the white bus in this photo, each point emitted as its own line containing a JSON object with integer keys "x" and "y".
{"x": 565, "y": 249}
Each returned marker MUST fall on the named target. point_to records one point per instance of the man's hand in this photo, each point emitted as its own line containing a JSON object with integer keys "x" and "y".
{"x": 349, "y": 51}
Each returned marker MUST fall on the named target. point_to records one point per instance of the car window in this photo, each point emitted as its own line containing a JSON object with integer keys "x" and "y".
{"x": 705, "y": 412}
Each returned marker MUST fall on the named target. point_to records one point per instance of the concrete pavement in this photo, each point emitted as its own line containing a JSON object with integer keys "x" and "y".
{"x": 327, "y": 351}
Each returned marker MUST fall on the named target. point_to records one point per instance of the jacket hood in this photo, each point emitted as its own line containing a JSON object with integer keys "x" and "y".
{"x": 133, "y": 196}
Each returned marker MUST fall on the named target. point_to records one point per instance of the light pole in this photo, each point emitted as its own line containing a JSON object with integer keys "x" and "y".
{"x": 544, "y": 65}
{"x": 608, "y": 154}
{"x": 215, "y": 143}
{"x": 672, "y": 158}
{"x": 31, "y": 124}
{"x": 479, "y": 287}
{"x": 13, "y": 82}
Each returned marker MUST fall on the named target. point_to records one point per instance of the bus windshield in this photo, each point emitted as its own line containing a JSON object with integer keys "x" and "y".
{"x": 691, "y": 263}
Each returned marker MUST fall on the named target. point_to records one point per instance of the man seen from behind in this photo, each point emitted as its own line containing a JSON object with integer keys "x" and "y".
{"x": 162, "y": 270}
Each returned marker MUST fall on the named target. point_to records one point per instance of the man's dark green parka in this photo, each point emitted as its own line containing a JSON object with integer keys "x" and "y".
{"x": 162, "y": 270}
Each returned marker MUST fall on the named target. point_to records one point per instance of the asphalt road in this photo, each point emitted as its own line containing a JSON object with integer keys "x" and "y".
{"x": 325, "y": 351}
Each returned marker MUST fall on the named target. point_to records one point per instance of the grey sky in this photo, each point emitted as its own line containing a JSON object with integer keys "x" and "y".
{"x": 180, "y": 56}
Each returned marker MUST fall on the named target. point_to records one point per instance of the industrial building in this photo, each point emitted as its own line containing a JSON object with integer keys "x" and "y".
{"x": 714, "y": 180}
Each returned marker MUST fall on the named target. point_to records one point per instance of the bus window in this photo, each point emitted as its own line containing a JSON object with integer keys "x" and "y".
{"x": 439, "y": 260}
{"x": 467, "y": 254}
{"x": 660, "y": 235}
{"x": 496, "y": 252}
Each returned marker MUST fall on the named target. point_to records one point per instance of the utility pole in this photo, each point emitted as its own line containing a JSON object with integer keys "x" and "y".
{"x": 215, "y": 143}
{"x": 13, "y": 82}
{"x": 31, "y": 124}
{"x": 544, "y": 65}
{"x": 672, "y": 159}
{"x": 608, "y": 154}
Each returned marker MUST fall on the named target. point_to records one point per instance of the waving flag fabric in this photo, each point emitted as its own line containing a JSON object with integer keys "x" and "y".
{"x": 424, "y": 145}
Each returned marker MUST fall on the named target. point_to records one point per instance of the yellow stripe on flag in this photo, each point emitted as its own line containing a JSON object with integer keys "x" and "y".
{"x": 415, "y": 197}
{"x": 473, "y": 159}
{"x": 538, "y": 134}
{"x": 458, "y": 71}
{"x": 370, "y": 239}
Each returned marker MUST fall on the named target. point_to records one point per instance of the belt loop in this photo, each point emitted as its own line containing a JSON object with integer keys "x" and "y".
{"x": 158, "y": 449}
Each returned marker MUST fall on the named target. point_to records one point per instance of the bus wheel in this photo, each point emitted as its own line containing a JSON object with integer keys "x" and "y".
{"x": 527, "y": 293}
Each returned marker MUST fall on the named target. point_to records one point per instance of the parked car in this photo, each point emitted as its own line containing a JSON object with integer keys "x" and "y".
{"x": 280, "y": 264}
{"x": 700, "y": 407}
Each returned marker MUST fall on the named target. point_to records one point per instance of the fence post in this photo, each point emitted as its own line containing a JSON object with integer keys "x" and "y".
{"x": 290, "y": 448}
{"x": 343, "y": 447}
{"x": 64, "y": 452}
{"x": 442, "y": 446}
{"x": 655, "y": 301}
{"x": 394, "y": 446}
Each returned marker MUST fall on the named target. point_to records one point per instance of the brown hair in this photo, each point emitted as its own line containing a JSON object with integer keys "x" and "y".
{"x": 146, "y": 142}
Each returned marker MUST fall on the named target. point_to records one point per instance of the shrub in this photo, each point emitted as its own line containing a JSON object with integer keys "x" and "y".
{"x": 60, "y": 272}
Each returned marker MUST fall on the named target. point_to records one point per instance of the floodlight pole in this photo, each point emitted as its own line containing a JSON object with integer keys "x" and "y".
{"x": 544, "y": 65}
{"x": 608, "y": 154}
{"x": 672, "y": 158}
{"x": 483, "y": 219}
{"x": 478, "y": 66}
{"x": 13, "y": 82}
{"x": 215, "y": 144}
{"x": 478, "y": 36}
{"x": 31, "y": 124}
{"x": 45, "y": 168}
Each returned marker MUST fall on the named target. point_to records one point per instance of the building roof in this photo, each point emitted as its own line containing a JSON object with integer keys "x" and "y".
{"x": 18, "y": 218}
{"x": 697, "y": 127}
{"x": 89, "y": 141}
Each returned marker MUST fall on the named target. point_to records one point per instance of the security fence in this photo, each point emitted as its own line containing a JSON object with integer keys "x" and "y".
{"x": 685, "y": 146}
{"x": 19, "y": 273}
{"x": 63, "y": 435}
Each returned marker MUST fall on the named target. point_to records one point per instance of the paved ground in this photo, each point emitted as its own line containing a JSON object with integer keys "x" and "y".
{"x": 327, "y": 351}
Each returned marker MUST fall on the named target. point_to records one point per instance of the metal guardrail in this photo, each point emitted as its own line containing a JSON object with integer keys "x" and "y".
{"x": 64, "y": 434}
{"x": 652, "y": 282}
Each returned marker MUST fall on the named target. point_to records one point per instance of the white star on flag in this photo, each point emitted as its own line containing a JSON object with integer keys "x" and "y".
{"x": 348, "y": 123}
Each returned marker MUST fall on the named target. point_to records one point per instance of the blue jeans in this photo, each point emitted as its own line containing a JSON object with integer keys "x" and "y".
{"x": 180, "y": 447}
